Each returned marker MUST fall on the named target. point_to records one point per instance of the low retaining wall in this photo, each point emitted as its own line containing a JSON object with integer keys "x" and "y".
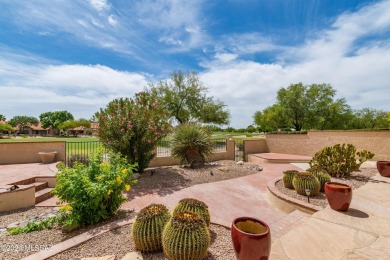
{"x": 27, "y": 152}
{"x": 308, "y": 144}
{"x": 254, "y": 146}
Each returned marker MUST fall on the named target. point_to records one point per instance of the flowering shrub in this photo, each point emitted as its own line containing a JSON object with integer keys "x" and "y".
{"x": 93, "y": 192}
{"x": 134, "y": 127}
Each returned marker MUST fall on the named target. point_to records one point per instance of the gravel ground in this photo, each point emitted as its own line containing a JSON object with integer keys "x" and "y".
{"x": 177, "y": 176}
{"x": 121, "y": 243}
{"x": 356, "y": 180}
{"x": 44, "y": 238}
{"x": 8, "y": 217}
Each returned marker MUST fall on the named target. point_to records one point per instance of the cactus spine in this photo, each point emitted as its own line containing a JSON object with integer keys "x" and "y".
{"x": 306, "y": 180}
{"x": 196, "y": 206}
{"x": 186, "y": 237}
{"x": 148, "y": 227}
{"x": 322, "y": 177}
{"x": 288, "y": 177}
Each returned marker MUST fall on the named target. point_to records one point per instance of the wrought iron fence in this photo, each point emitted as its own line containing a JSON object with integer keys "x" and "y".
{"x": 81, "y": 151}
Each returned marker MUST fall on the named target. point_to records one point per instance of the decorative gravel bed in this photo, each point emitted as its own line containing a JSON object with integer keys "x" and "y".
{"x": 356, "y": 180}
{"x": 118, "y": 242}
{"x": 8, "y": 217}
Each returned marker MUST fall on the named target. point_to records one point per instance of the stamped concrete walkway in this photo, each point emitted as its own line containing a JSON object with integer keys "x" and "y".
{"x": 229, "y": 199}
{"x": 10, "y": 173}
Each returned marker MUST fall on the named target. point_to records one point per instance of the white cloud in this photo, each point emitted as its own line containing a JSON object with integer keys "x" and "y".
{"x": 112, "y": 20}
{"x": 99, "y": 5}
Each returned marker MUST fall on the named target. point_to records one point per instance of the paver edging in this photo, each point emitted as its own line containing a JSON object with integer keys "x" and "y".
{"x": 294, "y": 202}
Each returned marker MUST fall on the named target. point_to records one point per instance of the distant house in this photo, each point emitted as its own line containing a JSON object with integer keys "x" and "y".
{"x": 82, "y": 130}
{"x": 35, "y": 130}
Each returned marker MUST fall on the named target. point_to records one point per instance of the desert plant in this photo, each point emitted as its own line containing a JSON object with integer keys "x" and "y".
{"x": 186, "y": 237}
{"x": 148, "y": 227}
{"x": 340, "y": 160}
{"x": 288, "y": 178}
{"x": 81, "y": 158}
{"x": 191, "y": 144}
{"x": 322, "y": 177}
{"x": 134, "y": 127}
{"x": 196, "y": 206}
{"x": 306, "y": 180}
{"x": 94, "y": 192}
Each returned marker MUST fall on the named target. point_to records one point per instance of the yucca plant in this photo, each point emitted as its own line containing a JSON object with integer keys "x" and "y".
{"x": 191, "y": 144}
{"x": 196, "y": 206}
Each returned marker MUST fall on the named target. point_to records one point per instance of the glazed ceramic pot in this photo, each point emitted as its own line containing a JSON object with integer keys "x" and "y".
{"x": 339, "y": 195}
{"x": 251, "y": 238}
{"x": 383, "y": 168}
{"x": 47, "y": 157}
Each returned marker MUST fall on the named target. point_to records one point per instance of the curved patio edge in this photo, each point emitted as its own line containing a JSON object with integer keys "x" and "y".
{"x": 286, "y": 203}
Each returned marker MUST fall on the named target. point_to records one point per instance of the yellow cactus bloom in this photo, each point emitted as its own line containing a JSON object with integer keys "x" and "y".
{"x": 127, "y": 187}
{"x": 119, "y": 180}
{"x": 109, "y": 192}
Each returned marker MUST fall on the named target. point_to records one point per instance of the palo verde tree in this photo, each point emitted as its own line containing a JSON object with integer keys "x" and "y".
{"x": 4, "y": 127}
{"x": 369, "y": 118}
{"x": 54, "y": 119}
{"x": 22, "y": 122}
{"x": 134, "y": 127}
{"x": 184, "y": 96}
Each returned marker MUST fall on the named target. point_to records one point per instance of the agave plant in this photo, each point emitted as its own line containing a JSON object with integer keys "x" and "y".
{"x": 191, "y": 144}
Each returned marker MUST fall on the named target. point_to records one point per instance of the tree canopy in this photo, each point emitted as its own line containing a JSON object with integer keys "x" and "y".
{"x": 23, "y": 121}
{"x": 6, "y": 128}
{"x": 2, "y": 117}
{"x": 54, "y": 119}
{"x": 184, "y": 96}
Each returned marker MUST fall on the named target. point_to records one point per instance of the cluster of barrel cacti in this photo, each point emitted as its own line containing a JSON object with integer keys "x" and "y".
{"x": 322, "y": 177}
{"x": 185, "y": 235}
{"x": 305, "y": 180}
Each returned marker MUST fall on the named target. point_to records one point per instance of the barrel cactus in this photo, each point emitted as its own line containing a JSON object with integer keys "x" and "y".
{"x": 306, "y": 180}
{"x": 148, "y": 227}
{"x": 288, "y": 178}
{"x": 186, "y": 237}
{"x": 322, "y": 177}
{"x": 196, "y": 206}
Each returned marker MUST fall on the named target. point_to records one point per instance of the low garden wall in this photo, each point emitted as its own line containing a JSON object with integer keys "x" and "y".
{"x": 254, "y": 146}
{"x": 27, "y": 152}
{"x": 308, "y": 144}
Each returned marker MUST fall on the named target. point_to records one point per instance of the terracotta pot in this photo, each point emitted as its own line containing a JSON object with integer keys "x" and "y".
{"x": 47, "y": 157}
{"x": 251, "y": 238}
{"x": 383, "y": 168}
{"x": 339, "y": 195}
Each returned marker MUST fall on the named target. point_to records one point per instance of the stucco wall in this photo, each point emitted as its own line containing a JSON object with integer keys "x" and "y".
{"x": 27, "y": 152}
{"x": 168, "y": 161}
{"x": 308, "y": 144}
{"x": 254, "y": 146}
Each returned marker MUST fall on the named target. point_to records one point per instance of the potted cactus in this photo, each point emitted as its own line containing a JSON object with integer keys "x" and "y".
{"x": 148, "y": 227}
{"x": 251, "y": 238}
{"x": 196, "y": 206}
{"x": 383, "y": 168}
{"x": 339, "y": 195}
{"x": 186, "y": 236}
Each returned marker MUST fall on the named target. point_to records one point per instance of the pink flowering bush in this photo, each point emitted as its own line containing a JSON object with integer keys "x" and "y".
{"x": 134, "y": 127}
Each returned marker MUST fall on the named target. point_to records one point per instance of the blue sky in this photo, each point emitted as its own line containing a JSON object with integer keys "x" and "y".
{"x": 79, "y": 55}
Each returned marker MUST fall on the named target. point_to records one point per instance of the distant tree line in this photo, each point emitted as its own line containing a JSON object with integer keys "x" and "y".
{"x": 314, "y": 107}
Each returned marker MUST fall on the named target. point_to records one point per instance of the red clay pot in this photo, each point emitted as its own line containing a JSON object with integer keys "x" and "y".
{"x": 339, "y": 195}
{"x": 253, "y": 243}
{"x": 383, "y": 168}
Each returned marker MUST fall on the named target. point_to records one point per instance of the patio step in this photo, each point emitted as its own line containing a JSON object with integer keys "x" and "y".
{"x": 42, "y": 195}
{"x": 40, "y": 186}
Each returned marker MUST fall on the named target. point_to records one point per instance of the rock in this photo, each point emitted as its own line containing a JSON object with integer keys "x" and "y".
{"x": 107, "y": 257}
{"x": 223, "y": 169}
{"x": 68, "y": 229}
{"x": 240, "y": 163}
{"x": 13, "y": 225}
{"x": 259, "y": 168}
{"x": 133, "y": 256}
{"x": 23, "y": 223}
{"x": 2, "y": 230}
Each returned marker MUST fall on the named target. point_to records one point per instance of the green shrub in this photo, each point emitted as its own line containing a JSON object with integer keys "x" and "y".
{"x": 322, "y": 177}
{"x": 196, "y": 206}
{"x": 94, "y": 192}
{"x": 148, "y": 227}
{"x": 38, "y": 225}
{"x": 288, "y": 178}
{"x": 134, "y": 127}
{"x": 340, "y": 160}
{"x": 306, "y": 180}
{"x": 191, "y": 144}
{"x": 186, "y": 237}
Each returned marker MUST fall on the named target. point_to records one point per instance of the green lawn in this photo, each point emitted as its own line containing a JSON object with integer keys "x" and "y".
{"x": 49, "y": 139}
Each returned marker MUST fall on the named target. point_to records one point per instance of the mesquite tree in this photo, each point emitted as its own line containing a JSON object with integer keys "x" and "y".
{"x": 134, "y": 127}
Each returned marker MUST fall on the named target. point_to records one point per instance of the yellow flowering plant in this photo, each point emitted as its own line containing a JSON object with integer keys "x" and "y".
{"x": 94, "y": 192}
